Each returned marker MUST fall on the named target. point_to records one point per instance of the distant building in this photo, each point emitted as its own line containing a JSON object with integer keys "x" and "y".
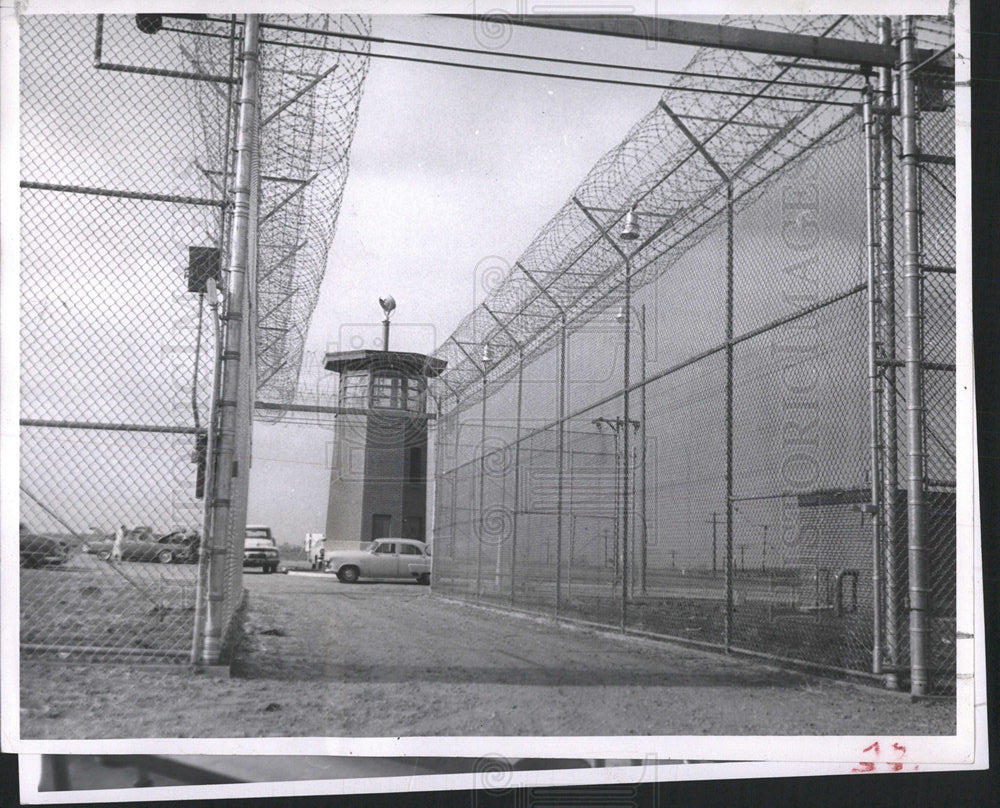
{"x": 378, "y": 484}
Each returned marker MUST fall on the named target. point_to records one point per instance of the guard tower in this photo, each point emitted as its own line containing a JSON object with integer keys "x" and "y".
{"x": 378, "y": 484}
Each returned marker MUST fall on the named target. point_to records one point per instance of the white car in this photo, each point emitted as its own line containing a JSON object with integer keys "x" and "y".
{"x": 386, "y": 558}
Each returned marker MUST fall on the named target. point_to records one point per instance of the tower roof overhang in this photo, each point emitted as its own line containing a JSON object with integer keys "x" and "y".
{"x": 403, "y": 361}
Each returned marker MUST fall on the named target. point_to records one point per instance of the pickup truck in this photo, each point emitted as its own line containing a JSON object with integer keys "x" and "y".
{"x": 260, "y": 549}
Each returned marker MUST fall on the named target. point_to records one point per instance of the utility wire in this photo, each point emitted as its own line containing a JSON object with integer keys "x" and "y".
{"x": 537, "y": 73}
{"x": 532, "y": 57}
{"x": 592, "y": 79}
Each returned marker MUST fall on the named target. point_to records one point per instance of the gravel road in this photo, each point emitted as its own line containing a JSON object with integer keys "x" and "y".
{"x": 322, "y": 658}
{"x": 388, "y": 659}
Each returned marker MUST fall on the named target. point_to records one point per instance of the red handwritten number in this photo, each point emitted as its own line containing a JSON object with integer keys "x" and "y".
{"x": 896, "y": 767}
{"x": 874, "y": 746}
{"x": 866, "y": 766}
{"x": 900, "y": 749}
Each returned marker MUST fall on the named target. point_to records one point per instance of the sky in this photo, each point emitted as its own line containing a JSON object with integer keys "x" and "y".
{"x": 452, "y": 172}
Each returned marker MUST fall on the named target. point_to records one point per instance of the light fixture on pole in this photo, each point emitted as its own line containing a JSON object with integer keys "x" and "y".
{"x": 620, "y": 316}
{"x": 630, "y": 229}
{"x": 488, "y": 357}
{"x": 388, "y": 304}
{"x": 630, "y": 232}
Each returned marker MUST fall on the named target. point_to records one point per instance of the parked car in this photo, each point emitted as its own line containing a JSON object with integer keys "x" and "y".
{"x": 260, "y": 549}
{"x": 38, "y": 550}
{"x": 386, "y": 558}
{"x": 141, "y": 544}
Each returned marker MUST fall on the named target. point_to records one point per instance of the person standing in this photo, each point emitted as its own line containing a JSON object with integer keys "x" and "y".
{"x": 116, "y": 546}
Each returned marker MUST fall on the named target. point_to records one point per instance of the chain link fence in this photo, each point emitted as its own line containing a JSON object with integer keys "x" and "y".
{"x": 686, "y": 453}
{"x": 689, "y": 453}
{"x": 117, "y": 354}
{"x": 133, "y": 137}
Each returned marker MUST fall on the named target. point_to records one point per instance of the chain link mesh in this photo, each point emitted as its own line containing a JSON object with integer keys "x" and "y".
{"x": 533, "y": 507}
{"x": 128, "y": 136}
{"x": 117, "y": 359}
{"x": 937, "y": 245}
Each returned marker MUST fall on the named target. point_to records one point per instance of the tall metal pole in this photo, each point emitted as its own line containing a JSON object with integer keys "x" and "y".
{"x": 517, "y": 472}
{"x": 642, "y": 333}
{"x": 887, "y": 295}
{"x": 874, "y": 379}
{"x": 482, "y": 492}
{"x": 204, "y": 559}
{"x": 560, "y": 448}
{"x": 729, "y": 416}
{"x": 246, "y": 145}
{"x": 912, "y": 363}
{"x": 616, "y": 545}
{"x": 457, "y": 481}
{"x": 627, "y": 427}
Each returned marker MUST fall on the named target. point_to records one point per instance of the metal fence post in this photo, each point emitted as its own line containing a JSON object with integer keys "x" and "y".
{"x": 454, "y": 496}
{"x": 642, "y": 420}
{"x": 482, "y": 493}
{"x": 729, "y": 417}
{"x": 517, "y": 471}
{"x": 562, "y": 461}
{"x": 246, "y": 145}
{"x": 912, "y": 283}
{"x": 204, "y": 559}
{"x": 626, "y": 427}
{"x": 887, "y": 295}
{"x": 874, "y": 379}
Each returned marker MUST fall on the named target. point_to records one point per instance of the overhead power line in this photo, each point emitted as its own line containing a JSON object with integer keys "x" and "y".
{"x": 542, "y": 73}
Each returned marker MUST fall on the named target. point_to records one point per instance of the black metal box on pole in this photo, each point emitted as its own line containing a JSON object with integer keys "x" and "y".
{"x": 203, "y": 263}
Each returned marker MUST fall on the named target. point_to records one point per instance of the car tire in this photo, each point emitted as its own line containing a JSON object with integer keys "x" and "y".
{"x": 104, "y": 555}
{"x": 424, "y": 579}
{"x": 348, "y": 575}
{"x": 165, "y": 557}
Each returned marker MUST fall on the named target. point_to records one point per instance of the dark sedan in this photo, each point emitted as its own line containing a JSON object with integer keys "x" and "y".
{"x": 39, "y": 551}
{"x": 179, "y": 546}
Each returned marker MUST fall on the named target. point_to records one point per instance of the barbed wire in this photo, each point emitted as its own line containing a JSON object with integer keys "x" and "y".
{"x": 658, "y": 169}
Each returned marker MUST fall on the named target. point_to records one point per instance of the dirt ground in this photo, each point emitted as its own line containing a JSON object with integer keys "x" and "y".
{"x": 379, "y": 659}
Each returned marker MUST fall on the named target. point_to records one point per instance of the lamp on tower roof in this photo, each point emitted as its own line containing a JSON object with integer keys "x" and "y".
{"x": 630, "y": 229}
{"x": 388, "y": 304}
